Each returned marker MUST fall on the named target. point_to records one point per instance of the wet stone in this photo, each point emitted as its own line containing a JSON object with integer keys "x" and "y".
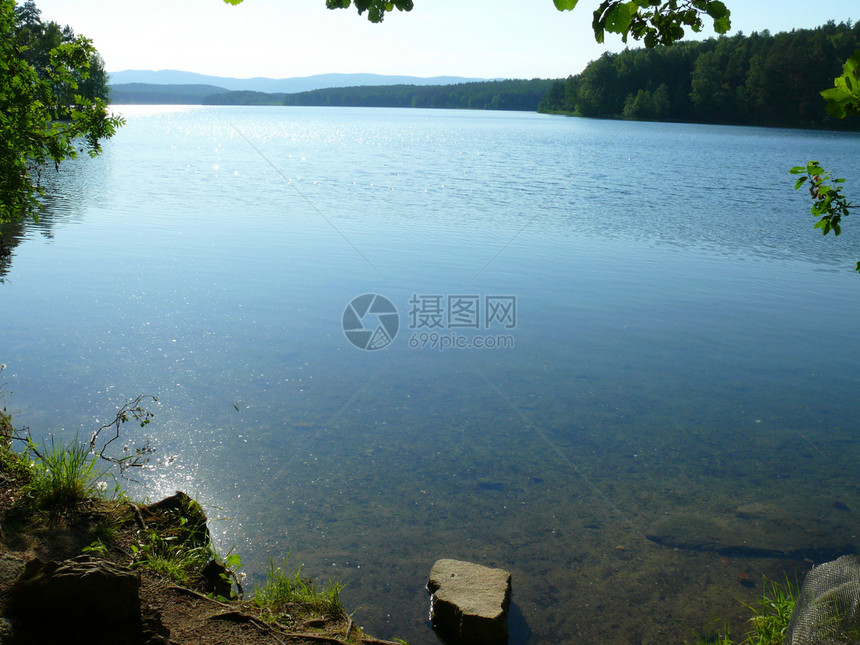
{"x": 469, "y": 602}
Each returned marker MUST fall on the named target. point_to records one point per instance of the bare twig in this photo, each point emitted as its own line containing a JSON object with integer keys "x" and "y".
{"x": 138, "y": 515}
{"x": 197, "y": 594}
{"x": 130, "y": 410}
{"x": 314, "y": 637}
{"x": 238, "y": 616}
{"x": 348, "y": 627}
{"x": 239, "y": 588}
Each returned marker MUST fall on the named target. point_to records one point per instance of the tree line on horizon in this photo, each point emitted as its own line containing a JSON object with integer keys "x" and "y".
{"x": 479, "y": 95}
{"x": 760, "y": 79}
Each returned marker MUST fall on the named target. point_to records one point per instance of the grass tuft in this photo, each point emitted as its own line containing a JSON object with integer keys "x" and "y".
{"x": 64, "y": 476}
{"x": 176, "y": 560}
{"x": 772, "y": 613}
{"x": 283, "y": 591}
{"x": 769, "y": 622}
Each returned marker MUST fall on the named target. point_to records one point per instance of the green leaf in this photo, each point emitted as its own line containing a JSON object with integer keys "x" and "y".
{"x": 843, "y": 99}
{"x": 717, "y": 10}
{"x": 722, "y": 25}
{"x": 565, "y": 5}
{"x": 619, "y": 17}
{"x": 799, "y": 183}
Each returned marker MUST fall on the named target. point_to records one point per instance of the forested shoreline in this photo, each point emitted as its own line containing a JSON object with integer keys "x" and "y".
{"x": 482, "y": 95}
{"x": 760, "y": 79}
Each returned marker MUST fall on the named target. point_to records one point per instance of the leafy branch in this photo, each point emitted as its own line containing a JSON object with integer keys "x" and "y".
{"x": 653, "y": 21}
{"x": 843, "y": 99}
{"x": 828, "y": 202}
{"x": 656, "y": 22}
{"x": 375, "y": 8}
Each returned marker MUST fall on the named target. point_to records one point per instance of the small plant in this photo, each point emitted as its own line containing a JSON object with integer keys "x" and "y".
{"x": 14, "y": 464}
{"x": 64, "y": 475}
{"x": 105, "y": 529}
{"x": 171, "y": 557}
{"x": 771, "y": 615}
{"x": 60, "y": 476}
{"x": 96, "y": 548}
{"x": 284, "y": 590}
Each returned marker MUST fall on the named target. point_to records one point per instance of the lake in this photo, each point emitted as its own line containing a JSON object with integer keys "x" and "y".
{"x": 613, "y": 358}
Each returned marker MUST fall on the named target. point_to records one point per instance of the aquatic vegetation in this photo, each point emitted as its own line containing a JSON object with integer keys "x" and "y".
{"x": 769, "y": 621}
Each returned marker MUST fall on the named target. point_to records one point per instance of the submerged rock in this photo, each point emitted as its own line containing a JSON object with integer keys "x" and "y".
{"x": 469, "y": 602}
{"x": 754, "y": 531}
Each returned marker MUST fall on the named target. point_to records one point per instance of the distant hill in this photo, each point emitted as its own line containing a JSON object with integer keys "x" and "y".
{"x": 280, "y": 85}
{"x": 153, "y": 94}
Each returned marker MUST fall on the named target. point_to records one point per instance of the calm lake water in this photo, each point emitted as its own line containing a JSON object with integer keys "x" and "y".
{"x": 670, "y": 413}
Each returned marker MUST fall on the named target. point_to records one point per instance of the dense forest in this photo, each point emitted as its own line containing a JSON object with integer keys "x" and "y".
{"x": 35, "y": 41}
{"x": 761, "y": 79}
{"x": 484, "y": 95}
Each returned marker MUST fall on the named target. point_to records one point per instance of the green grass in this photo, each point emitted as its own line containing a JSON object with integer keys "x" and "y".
{"x": 282, "y": 591}
{"x": 105, "y": 529}
{"x": 173, "y": 558}
{"x": 772, "y": 613}
{"x": 64, "y": 476}
{"x": 12, "y": 464}
{"x": 15, "y": 465}
{"x": 769, "y": 621}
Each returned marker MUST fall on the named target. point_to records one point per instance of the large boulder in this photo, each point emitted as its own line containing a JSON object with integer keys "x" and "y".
{"x": 469, "y": 602}
{"x": 77, "y": 591}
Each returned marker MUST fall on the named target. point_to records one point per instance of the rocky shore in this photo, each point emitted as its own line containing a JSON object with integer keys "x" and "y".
{"x": 96, "y": 570}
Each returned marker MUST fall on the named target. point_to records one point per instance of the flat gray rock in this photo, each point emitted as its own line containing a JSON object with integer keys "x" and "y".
{"x": 469, "y": 602}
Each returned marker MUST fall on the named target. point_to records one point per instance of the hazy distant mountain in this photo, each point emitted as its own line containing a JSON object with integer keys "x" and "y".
{"x": 286, "y": 85}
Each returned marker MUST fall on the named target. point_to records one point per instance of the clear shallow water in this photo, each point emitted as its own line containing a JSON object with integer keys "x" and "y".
{"x": 684, "y": 365}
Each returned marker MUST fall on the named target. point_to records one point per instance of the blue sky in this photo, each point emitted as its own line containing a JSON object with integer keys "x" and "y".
{"x": 284, "y": 38}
